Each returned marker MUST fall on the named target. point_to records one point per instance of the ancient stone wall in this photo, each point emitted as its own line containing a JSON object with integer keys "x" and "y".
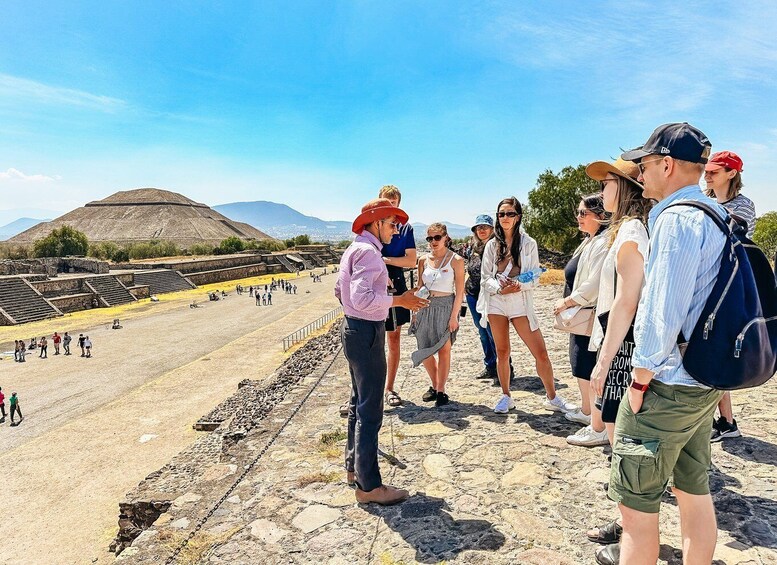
{"x": 73, "y": 302}
{"x": 229, "y": 274}
{"x": 140, "y": 291}
{"x": 57, "y": 287}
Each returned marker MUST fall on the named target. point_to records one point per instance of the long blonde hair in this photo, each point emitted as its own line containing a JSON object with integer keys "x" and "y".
{"x": 631, "y": 205}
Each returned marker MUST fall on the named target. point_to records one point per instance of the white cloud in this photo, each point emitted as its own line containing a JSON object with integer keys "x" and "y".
{"x": 12, "y": 174}
{"x": 29, "y": 90}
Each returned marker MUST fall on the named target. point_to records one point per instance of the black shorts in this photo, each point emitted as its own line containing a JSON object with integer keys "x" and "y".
{"x": 581, "y": 360}
{"x": 397, "y": 316}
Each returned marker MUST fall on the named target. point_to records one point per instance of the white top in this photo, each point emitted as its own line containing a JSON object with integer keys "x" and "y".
{"x": 489, "y": 284}
{"x": 631, "y": 230}
{"x": 441, "y": 279}
{"x": 593, "y": 250}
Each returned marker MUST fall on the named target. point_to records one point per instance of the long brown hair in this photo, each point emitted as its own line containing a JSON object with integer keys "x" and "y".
{"x": 499, "y": 234}
{"x": 630, "y": 205}
{"x": 735, "y": 186}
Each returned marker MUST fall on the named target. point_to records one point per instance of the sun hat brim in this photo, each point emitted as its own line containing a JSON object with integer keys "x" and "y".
{"x": 378, "y": 213}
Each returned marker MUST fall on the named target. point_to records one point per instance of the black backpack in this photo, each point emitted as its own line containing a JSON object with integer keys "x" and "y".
{"x": 734, "y": 343}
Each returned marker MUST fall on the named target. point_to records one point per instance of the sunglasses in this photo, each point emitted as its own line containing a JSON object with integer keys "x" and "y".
{"x": 582, "y": 213}
{"x": 506, "y": 214}
{"x": 431, "y": 238}
{"x": 641, "y": 165}
{"x": 394, "y": 225}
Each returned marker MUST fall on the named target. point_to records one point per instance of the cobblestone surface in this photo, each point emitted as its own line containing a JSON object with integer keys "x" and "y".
{"x": 485, "y": 488}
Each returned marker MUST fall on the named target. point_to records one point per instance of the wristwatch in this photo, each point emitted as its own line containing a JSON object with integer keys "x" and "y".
{"x": 641, "y": 388}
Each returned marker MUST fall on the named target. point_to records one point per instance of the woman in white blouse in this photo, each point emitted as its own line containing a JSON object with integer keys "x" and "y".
{"x": 620, "y": 286}
{"x": 504, "y": 301}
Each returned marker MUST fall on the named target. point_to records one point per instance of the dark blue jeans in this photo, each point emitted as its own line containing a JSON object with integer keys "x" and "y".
{"x": 364, "y": 347}
{"x": 486, "y": 339}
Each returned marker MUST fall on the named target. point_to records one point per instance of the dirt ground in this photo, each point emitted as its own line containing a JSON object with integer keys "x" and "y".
{"x": 94, "y": 428}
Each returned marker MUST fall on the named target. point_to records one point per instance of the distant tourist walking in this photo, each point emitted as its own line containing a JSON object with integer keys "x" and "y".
{"x": 504, "y": 301}
{"x": 81, "y": 339}
{"x": 361, "y": 288}
{"x": 22, "y": 351}
{"x": 66, "y": 343}
{"x": 269, "y": 299}
{"x": 15, "y": 409}
{"x": 2, "y": 406}
{"x": 88, "y": 346}
{"x": 441, "y": 274}
{"x": 258, "y": 299}
{"x": 16, "y": 350}
{"x": 57, "y": 339}
{"x": 44, "y": 348}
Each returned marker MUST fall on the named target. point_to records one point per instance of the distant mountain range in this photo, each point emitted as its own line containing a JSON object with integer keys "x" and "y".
{"x": 282, "y": 221}
{"x": 17, "y": 226}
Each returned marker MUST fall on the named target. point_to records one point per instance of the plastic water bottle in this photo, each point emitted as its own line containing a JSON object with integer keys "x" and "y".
{"x": 423, "y": 292}
{"x": 530, "y": 276}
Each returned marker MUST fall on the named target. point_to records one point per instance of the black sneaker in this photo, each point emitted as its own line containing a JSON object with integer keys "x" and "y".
{"x": 485, "y": 374}
{"x": 429, "y": 395}
{"x": 442, "y": 399}
{"x": 721, "y": 429}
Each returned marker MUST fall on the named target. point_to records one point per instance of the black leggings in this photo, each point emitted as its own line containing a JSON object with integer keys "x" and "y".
{"x": 14, "y": 410}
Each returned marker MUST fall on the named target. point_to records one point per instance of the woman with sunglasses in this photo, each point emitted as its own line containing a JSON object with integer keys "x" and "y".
{"x": 582, "y": 274}
{"x": 723, "y": 176}
{"x": 504, "y": 301}
{"x": 441, "y": 275}
{"x": 620, "y": 287}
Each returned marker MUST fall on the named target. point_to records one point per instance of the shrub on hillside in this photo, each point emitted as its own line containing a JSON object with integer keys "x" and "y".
{"x": 10, "y": 251}
{"x": 765, "y": 234}
{"x": 200, "y": 249}
{"x": 61, "y": 242}
{"x": 232, "y": 244}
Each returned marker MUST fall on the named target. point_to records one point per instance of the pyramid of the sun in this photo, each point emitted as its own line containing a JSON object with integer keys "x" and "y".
{"x": 146, "y": 214}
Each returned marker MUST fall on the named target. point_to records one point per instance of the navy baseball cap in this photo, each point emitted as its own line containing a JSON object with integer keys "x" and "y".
{"x": 679, "y": 140}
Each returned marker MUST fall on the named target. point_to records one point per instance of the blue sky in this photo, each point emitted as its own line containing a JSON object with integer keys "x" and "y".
{"x": 318, "y": 104}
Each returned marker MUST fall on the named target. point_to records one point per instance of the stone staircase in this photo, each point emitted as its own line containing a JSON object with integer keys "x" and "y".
{"x": 161, "y": 281}
{"x": 110, "y": 290}
{"x": 286, "y": 263}
{"x": 21, "y": 303}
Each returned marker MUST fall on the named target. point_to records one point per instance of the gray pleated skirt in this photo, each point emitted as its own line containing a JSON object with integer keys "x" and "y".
{"x": 431, "y": 328}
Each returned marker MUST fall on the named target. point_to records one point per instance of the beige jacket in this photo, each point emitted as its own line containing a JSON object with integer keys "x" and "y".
{"x": 592, "y": 251}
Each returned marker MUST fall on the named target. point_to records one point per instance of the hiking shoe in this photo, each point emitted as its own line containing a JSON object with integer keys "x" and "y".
{"x": 487, "y": 373}
{"x": 505, "y": 404}
{"x": 579, "y": 417}
{"x": 429, "y": 395}
{"x": 385, "y": 495}
{"x": 558, "y": 404}
{"x": 721, "y": 429}
{"x": 442, "y": 399}
{"x": 587, "y": 437}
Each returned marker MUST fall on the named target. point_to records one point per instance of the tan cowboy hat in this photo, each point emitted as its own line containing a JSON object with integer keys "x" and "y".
{"x": 375, "y": 210}
{"x": 625, "y": 169}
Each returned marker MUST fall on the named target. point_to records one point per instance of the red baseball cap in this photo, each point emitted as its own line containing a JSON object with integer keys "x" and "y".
{"x": 726, "y": 159}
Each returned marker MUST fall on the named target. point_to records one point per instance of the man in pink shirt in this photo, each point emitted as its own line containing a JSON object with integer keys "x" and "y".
{"x": 362, "y": 289}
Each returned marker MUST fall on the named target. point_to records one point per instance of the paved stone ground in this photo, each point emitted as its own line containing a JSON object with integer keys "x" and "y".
{"x": 485, "y": 488}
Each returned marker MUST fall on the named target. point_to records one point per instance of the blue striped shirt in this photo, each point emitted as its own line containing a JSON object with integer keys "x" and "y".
{"x": 685, "y": 251}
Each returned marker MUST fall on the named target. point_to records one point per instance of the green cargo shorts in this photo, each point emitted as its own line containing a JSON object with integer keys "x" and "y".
{"x": 669, "y": 437}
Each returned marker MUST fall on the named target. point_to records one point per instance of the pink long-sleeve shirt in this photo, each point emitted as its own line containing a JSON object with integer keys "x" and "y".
{"x": 362, "y": 281}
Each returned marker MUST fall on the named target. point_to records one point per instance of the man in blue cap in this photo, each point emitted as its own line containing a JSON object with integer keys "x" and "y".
{"x": 663, "y": 426}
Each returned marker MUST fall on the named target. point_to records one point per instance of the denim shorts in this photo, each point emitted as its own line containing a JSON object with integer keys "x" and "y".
{"x": 668, "y": 438}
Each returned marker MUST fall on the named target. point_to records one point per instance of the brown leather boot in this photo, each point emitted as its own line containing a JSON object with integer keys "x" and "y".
{"x": 384, "y": 494}
{"x": 350, "y": 478}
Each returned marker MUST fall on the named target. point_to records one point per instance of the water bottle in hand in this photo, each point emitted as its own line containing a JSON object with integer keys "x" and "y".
{"x": 423, "y": 292}
{"x": 530, "y": 276}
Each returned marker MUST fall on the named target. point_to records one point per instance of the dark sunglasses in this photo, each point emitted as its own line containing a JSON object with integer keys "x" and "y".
{"x": 506, "y": 214}
{"x": 431, "y": 238}
{"x": 582, "y": 213}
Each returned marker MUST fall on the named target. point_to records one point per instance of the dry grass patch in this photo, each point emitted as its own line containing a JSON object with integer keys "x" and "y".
{"x": 552, "y": 276}
{"x": 306, "y": 480}
{"x": 198, "y": 547}
{"x": 327, "y": 443}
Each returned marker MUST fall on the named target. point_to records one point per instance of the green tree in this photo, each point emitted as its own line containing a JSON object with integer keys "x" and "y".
{"x": 232, "y": 244}
{"x": 61, "y": 243}
{"x": 765, "y": 234}
{"x": 303, "y": 239}
{"x": 550, "y": 218}
{"x": 289, "y": 243}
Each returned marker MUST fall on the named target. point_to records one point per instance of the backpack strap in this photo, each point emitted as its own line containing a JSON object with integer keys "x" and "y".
{"x": 708, "y": 210}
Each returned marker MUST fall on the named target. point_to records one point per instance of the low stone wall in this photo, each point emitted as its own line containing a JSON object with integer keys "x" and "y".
{"x": 25, "y": 266}
{"x": 140, "y": 291}
{"x": 127, "y": 279}
{"x": 73, "y": 302}
{"x": 220, "y": 275}
{"x": 81, "y": 265}
{"x": 57, "y": 287}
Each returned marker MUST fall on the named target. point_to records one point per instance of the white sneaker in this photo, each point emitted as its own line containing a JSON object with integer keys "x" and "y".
{"x": 558, "y": 404}
{"x": 587, "y": 437}
{"x": 579, "y": 417}
{"x": 504, "y": 405}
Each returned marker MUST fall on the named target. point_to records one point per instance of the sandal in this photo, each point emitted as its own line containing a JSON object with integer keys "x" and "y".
{"x": 393, "y": 399}
{"x": 607, "y": 534}
{"x": 344, "y": 410}
{"x": 609, "y": 555}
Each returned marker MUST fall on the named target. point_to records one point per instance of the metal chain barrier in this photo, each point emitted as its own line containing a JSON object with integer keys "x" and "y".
{"x": 250, "y": 466}
{"x": 305, "y": 331}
